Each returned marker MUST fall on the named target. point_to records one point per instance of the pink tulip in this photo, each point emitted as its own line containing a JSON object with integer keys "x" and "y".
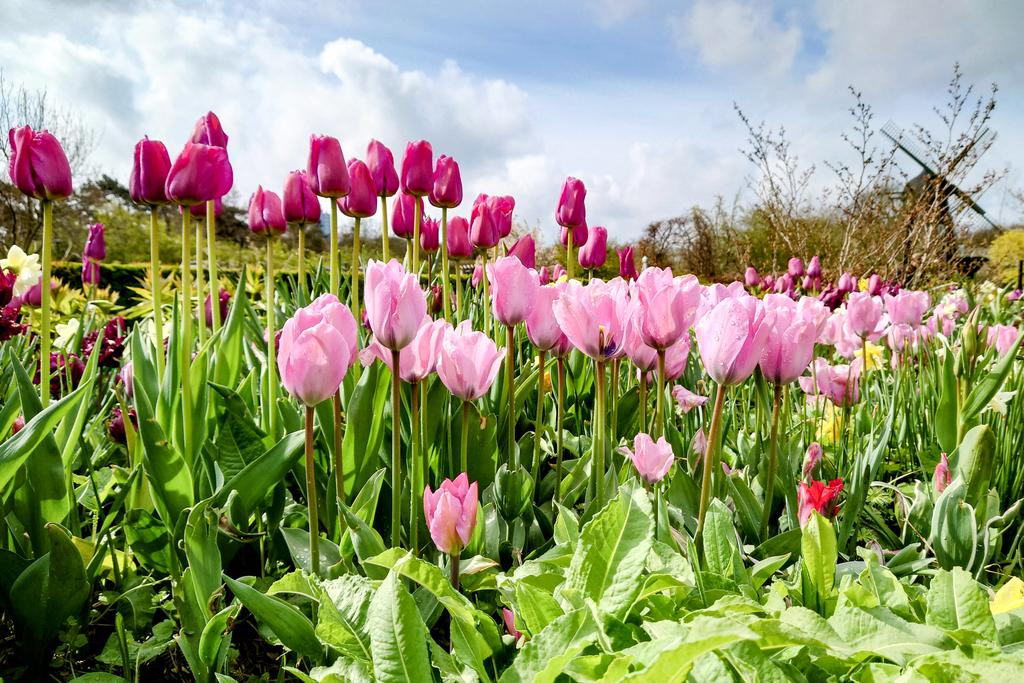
{"x": 326, "y": 169}
{"x": 731, "y": 338}
{"x": 525, "y": 249}
{"x": 502, "y": 208}
{"x": 150, "y": 165}
{"x": 381, "y": 163}
{"x": 686, "y": 399}
{"x": 513, "y": 290}
{"x": 403, "y": 214}
{"x": 459, "y": 246}
{"x": 594, "y": 316}
{"x": 676, "y": 357}
{"x": 812, "y": 458}
{"x": 340, "y": 316}
{"x": 477, "y": 277}
{"x": 361, "y": 200}
{"x": 37, "y": 164}
{"x": 418, "y": 168}
{"x": 558, "y": 272}
{"x": 469, "y": 362}
{"x": 814, "y": 267}
{"x": 594, "y": 253}
{"x": 419, "y": 359}
{"x": 509, "y": 619}
{"x": 265, "y": 212}
{"x": 199, "y": 210}
{"x": 768, "y": 283}
{"x": 644, "y": 357}
{"x": 668, "y": 306}
{"x": 838, "y": 383}
{"x": 652, "y": 459}
{"x": 451, "y": 513}
{"x": 1002, "y": 337}
{"x": 788, "y": 349}
{"x": 715, "y": 293}
{"x": 906, "y": 307}
{"x": 864, "y": 315}
{"x": 544, "y": 275}
{"x": 200, "y": 173}
{"x": 751, "y": 278}
{"x": 572, "y": 210}
{"x": 817, "y": 496}
{"x": 312, "y": 357}
{"x": 127, "y": 379}
{"x": 875, "y": 284}
{"x": 541, "y": 325}
{"x": 627, "y": 264}
{"x": 300, "y": 204}
{"x": 795, "y": 268}
{"x": 446, "y": 190}
{"x": 699, "y": 445}
{"x": 483, "y": 228}
{"x": 395, "y": 304}
{"x": 208, "y": 131}
{"x": 430, "y": 238}
{"x": 942, "y": 477}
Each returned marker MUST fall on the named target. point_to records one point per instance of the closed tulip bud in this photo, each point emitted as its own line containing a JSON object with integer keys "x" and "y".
{"x": 90, "y": 272}
{"x": 208, "y": 131}
{"x": 326, "y": 169}
{"x": 875, "y": 284}
{"x": 450, "y": 513}
{"x": 150, "y": 165}
{"x": 513, "y": 290}
{"x": 483, "y": 230}
{"x": 579, "y": 235}
{"x": 312, "y": 357}
{"x": 395, "y": 304}
{"x": 301, "y": 206}
{"x": 846, "y": 283}
{"x": 943, "y": 477}
{"x": 436, "y": 299}
{"x": 525, "y": 249}
{"x": 652, "y": 459}
{"x": 627, "y": 264}
{"x": 477, "y": 277}
{"x": 784, "y": 283}
{"x": 430, "y": 238}
{"x": 127, "y": 379}
{"x": 768, "y": 283}
{"x": 814, "y": 267}
{"x": 558, "y": 272}
{"x": 199, "y": 210}
{"x": 812, "y": 458}
{"x": 403, "y": 214}
{"x": 544, "y": 275}
{"x": 808, "y": 284}
{"x": 265, "y": 213}
{"x": 469, "y": 362}
{"x": 594, "y": 253}
{"x": 199, "y": 174}
{"x": 361, "y": 201}
{"x": 541, "y": 325}
{"x": 751, "y": 278}
{"x": 502, "y": 208}
{"x": 796, "y": 268}
{"x": 381, "y": 163}
{"x": 418, "y": 168}
{"x": 572, "y": 210}
{"x": 459, "y": 246}
{"x": 223, "y": 297}
{"x": 446, "y": 191}
{"x": 37, "y": 164}
{"x": 96, "y": 243}
{"x": 732, "y": 336}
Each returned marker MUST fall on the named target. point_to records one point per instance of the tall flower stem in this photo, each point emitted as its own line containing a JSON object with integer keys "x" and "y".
{"x": 301, "y": 230}
{"x": 44, "y": 305}
{"x": 709, "y": 460}
{"x": 156, "y": 285}
{"x": 614, "y": 413}
{"x": 332, "y": 248}
{"x": 539, "y": 420}
{"x": 463, "y": 455}
{"x": 597, "y": 475}
{"x": 642, "y": 388}
{"x": 418, "y": 215}
{"x": 211, "y": 254}
{"x": 268, "y": 277}
{"x": 773, "y": 452}
{"x": 186, "y": 329}
{"x": 396, "y": 450}
{"x": 454, "y": 569}
{"x": 659, "y": 405}
{"x": 416, "y": 500}
{"x": 510, "y": 383}
{"x": 445, "y": 283}
{"x": 459, "y": 305}
{"x": 559, "y": 416}
{"x": 568, "y": 254}
{"x": 385, "y": 240}
{"x": 339, "y": 456}
{"x": 311, "y": 503}
{"x": 200, "y": 287}
{"x": 354, "y": 293}
{"x": 486, "y": 299}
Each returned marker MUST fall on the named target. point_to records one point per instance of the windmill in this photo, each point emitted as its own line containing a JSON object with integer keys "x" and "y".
{"x": 935, "y": 189}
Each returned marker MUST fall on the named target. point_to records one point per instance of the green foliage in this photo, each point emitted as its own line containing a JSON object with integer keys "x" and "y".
{"x": 1005, "y": 254}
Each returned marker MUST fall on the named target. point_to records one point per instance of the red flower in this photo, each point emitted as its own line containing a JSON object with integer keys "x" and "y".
{"x": 818, "y": 496}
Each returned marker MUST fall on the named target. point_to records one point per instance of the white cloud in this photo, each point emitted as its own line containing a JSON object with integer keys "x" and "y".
{"x": 608, "y": 13}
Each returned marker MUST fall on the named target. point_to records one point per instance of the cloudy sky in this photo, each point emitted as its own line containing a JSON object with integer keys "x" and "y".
{"x": 634, "y": 96}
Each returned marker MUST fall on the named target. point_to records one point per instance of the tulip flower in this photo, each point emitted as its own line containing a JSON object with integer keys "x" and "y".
{"x": 579, "y": 235}
{"x": 301, "y": 208}
{"x": 814, "y": 267}
{"x": 451, "y": 517}
{"x": 381, "y": 163}
{"x": 817, "y": 497}
{"x": 405, "y": 208}
{"x": 1002, "y": 337}
{"x": 652, "y": 459}
{"x": 571, "y": 214}
{"x": 942, "y": 477}
{"x": 812, "y": 458}
{"x": 838, "y": 383}
{"x": 477, "y": 278}
{"x": 686, "y": 400}
{"x": 864, "y": 316}
{"x": 906, "y": 307}
{"x": 558, "y": 273}
{"x": 874, "y": 284}
{"x": 359, "y": 203}
{"x": 208, "y": 131}
{"x": 459, "y": 246}
{"x": 150, "y": 167}
{"x": 846, "y": 283}
{"x": 223, "y": 297}
{"x": 483, "y": 231}
{"x": 751, "y": 278}
{"x": 327, "y": 174}
{"x": 90, "y": 272}
{"x": 446, "y": 190}
{"x": 502, "y": 208}
{"x": 417, "y": 178}
{"x": 627, "y": 264}
{"x": 265, "y": 212}
{"x": 96, "y": 243}
{"x": 430, "y": 238}
{"x": 525, "y": 249}
{"x": 594, "y": 253}
{"x": 395, "y": 304}
{"x": 199, "y": 174}
{"x": 795, "y": 268}
{"x": 509, "y": 619}
{"x": 116, "y": 428}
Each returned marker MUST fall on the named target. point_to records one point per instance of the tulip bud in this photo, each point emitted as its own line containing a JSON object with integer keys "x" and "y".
{"x": 90, "y": 272}
{"x": 37, "y": 164}
{"x": 381, "y": 163}
{"x": 813, "y": 457}
{"x": 814, "y": 267}
{"x": 96, "y": 243}
{"x": 18, "y": 425}
{"x": 808, "y": 284}
{"x": 150, "y": 165}
{"x": 796, "y": 268}
{"x": 403, "y": 214}
{"x": 418, "y": 168}
{"x": 459, "y": 246}
{"x": 326, "y": 170}
{"x": 525, "y": 249}
{"x": 361, "y": 201}
{"x": 299, "y": 203}
{"x": 875, "y": 284}
{"x": 222, "y": 302}
{"x": 450, "y": 513}
{"x": 579, "y": 235}
{"x": 430, "y": 239}
{"x": 446, "y": 191}
{"x": 627, "y": 264}
{"x": 208, "y": 131}
{"x": 502, "y": 208}
{"x": 847, "y": 283}
{"x": 751, "y": 278}
{"x": 572, "y": 211}
{"x": 594, "y": 253}
{"x": 200, "y": 173}
{"x": 483, "y": 230}
{"x": 265, "y": 212}
{"x": 513, "y": 490}
{"x": 942, "y": 477}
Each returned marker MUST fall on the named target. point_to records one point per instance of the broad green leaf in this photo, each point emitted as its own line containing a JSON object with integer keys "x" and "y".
{"x": 342, "y": 616}
{"x": 364, "y": 429}
{"x": 880, "y": 633}
{"x": 957, "y": 602}
{"x": 545, "y": 655}
{"x": 202, "y": 552}
{"x": 260, "y": 477}
{"x": 535, "y": 608}
{"x": 721, "y": 553}
{"x": 946, "y": 418}
{"x": 288, "y": 623}
{"x": 818, "y": 555}
{"x": 398, "y": 636}
{"x": 983, "y": 391}
{"x": 675, "y": 658}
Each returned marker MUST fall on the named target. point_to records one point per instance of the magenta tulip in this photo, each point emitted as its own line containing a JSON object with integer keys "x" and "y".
{"x": 451, "y": 513}
{"x": 627, "y": 264}
{"x": 812, "y": 458}
{"x": 814, "y": 267}
{"x": 265, "y": 212}
{"x": 446, "y": 191}
{"x": 795, "y": 268}
{"x": 751, "y": 278}
{"x": 817, "y": 497}
{"x": 300, "y": 203}
{"x": 483, "y": 228}
{"x": 594, "y": 316}
{"x": 469, "y": 362}
{"x": 875, "y": 284}
{"x": 96, "y": 243}
{"x": 223, "y": 297}
{"x": 200, "y": 173}
{"x": 430, "y": 237}
{"x": 652, "y": 459}
{"x": 847, "y": 283}
{"x": 312, "y": 357}
{"x": 477, "y": 277}
{"x": 579, "y": 235}
{"x": 150, "y": 165}
{"x": 513, "y": 290}
{"x": 502, "y": 208}
{"x": 199, "y": 210}
{"x": 326, "y": 169}
{"x": 418, "y": 168}
{"x": 395, "y": 304}
{"x": 403, "y": 214}
{"x": 572, "y": 210}
{"x": 668, "y": 306}
{"x": 594, "y": 253}
{"x": 459, "y": 246}
{"x": 208, "y": 131}
{"x": 90, "y": 272}
{"x": 361, "y": 201}
{"x": 381, "y": 163}
{"x": 731, "y": 338}
{"x": 525, "y": 249}
{"x": 37, "y": 164}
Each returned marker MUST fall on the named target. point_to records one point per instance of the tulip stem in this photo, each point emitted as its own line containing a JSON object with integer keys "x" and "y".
{"x": 396, "y": 450}
{"x": 301, "y": 230}
{"x": 186, "y": 330}
{"x": 418, "y": 216}
{"x": 156, "y": 285}
{"x": 458, "y": 293}
{"x": 332, "y": 248}
{"x": 559, "y": 416}
{"x": 416, "y": 504}
{"x": 356, "y": 301}
{"x": 614, "y": 390}
{"x": 642, "y": 388}
{"x": 659, "y": 407}
{"x": 510, "y": 368}
{"x": 454, "y": 562}
{"x": 44, "y": 305}
{"x": 445, "y": 283}
{"x": 200, "y": 287}
{"x": 339, "y": 457}
{"x": 463, "y": 456}
{"x": 311, "y": 503}
{"x": 568, "y": 253}
{"x": 487, "y": 298}
{"x": 598, "y": 442}
{"x": 211, "y": 255}
{"x": 538, "y": 422}
{"x": 709, "y": 460}
{"x": 385, "y": 240}
{"x": 271, "y": 350}
{"x": 773, "y": 450}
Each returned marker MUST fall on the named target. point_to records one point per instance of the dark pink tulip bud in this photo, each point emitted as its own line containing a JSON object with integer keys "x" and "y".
{"x": 627, "y": 264}
{"x": 544, "y": 275}
{"x": 572, "y": 211}
{"x": 847, "y": 283}
{"x": 222, "y": 301}
{"x": 96, "y": 243}
{"x": 875, "y": 284}
{"x": 447, "y": 189}
{"x": 199, "y": 210}
{"x": 436, "y": 300}
{"x": 300, "y": 204}
{"x": 483, "y": 231}
{"x": 478, "y": 276}
{"x": 594, "y": 253}
{"x": 814, "y": 267}
{"x": 199, "y": 174}
{"x": 326, "y": 170}
{"x": 150, "y": 167}
{"x": 579, "y": 235}
{"x": 403, "y": 214}
{"x": 37, "y": 164}
{"x": 768, "y": 283}
{"x": 558, "y": 272}
{"x": 459, "y": 246}
{"x": 751, "y": 278}
{"x": 796, "y": 268}
{"x": 942, "y": 477}
{"x": 34, "y": 296}
{"x": 808, "y": 283}
{"x": 19, "y": 424}
{"x": 525, "y": 249}
{"x": 90, "y": 271}
{"x": 502, "y": 208}
{"x": 208, "y": 131}
{"x": 430, "y": 238}
{"x": 418, "y": 168}
{"x": 265, "y": 212}
{"x": 381, "y": 163}
{"x": 361, "y": 201}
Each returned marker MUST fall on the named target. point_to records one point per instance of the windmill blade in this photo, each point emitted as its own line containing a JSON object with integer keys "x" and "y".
{"x": 895, "y": 133}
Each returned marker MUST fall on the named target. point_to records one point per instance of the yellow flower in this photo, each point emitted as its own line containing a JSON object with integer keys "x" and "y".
{"x": 1009, "y": 597}
{"x": 830, "y": 430}
{"x": 862, "y": 284}
{"x": 874, "y": 356}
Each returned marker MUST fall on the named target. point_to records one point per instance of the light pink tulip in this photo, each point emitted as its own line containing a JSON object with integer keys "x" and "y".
{"x": 668, "y": 306}
{"x": 864, "y": 315}
{"x": 686, "y": 399}
{"x": 468, "y": 362}
{"x": 699, "y": 445}
{"x": 907, "y": 307}
{"x": 419, "y": 359}
{"x": 731, "y": 338}
{"x": 812, "y": 458}
{"x": 513, "y": 289}
{"x": 788, "y": 349}
{"x": 839, "y": 383}
{"x": 593, "y": 316}
{"x": 451, "y": 513}
{"x": 395, "y": 304}
{"x": 312, "y": 357}
{"x": 676, "y": 357}
{"x": 652, "y": 459}
{"x": 1002, "y": 337}
{"x": 541, "y": 325}
{"x": 339, "y": 315}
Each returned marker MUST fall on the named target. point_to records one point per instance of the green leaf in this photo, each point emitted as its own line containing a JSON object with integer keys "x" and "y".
{"x": 946, "y": 418}
{"x": 954, "y": 535}
{"x": 398, "y": 636}
{"x": 239, "y": 442}
{"x": 957, "y": 602}
{"x": 818, "y": 556}
{"x": 202, "y": 552}
{"x": 983, "y": 391}
{"x": 535, "y": 608}
{"x": 288, "y": 623}
{"x": 342, "y": 616}
{"x": 364, "y": 429}
{"x": 545, "y": 655}
{"x": 675, "y": 657}
{"x": 260, "y": 477}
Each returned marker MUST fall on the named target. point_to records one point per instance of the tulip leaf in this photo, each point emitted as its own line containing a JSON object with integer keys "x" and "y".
{"x": 985, "y": 390}
{"x": 544, "y": 657}
{"x": 257, "y": 479}
{"x": 957, "y": 602}
{"x": 365, "y": 426}
{"x": 398, "y": 636}
{"x": 946, "y": 418}
{"x": 818, "y": 556}
{"x": 289, "y": 624}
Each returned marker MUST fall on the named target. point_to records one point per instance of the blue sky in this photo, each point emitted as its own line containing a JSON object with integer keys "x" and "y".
{"x": 634, "y": 96}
